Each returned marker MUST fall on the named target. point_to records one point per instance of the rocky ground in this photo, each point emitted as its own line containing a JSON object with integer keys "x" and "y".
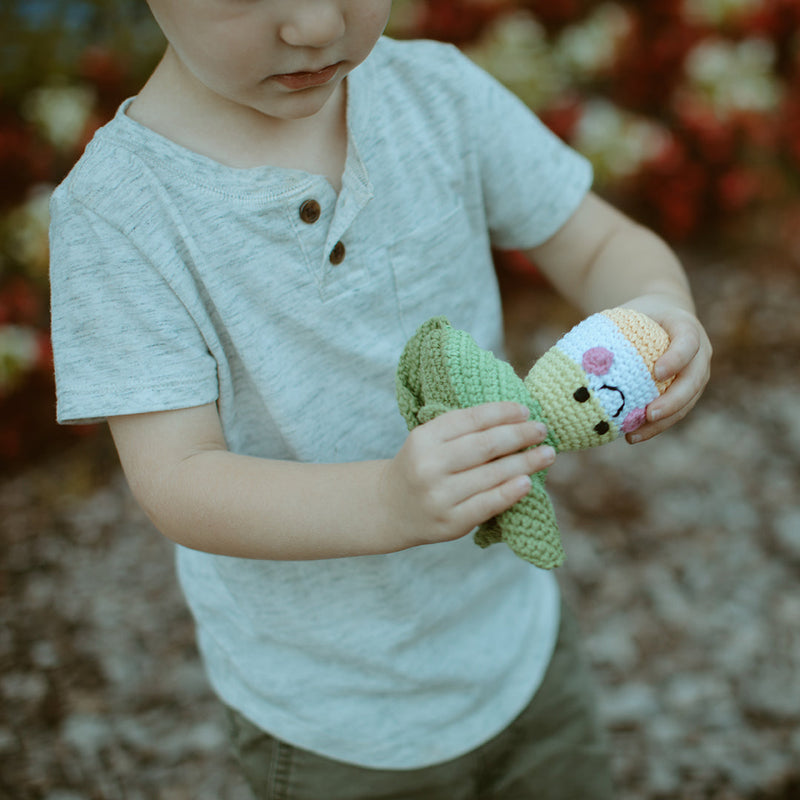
{"x": 683, "y": 564}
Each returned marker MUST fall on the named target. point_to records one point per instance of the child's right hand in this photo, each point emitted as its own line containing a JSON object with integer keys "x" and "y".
{"x": 460, "y": 469}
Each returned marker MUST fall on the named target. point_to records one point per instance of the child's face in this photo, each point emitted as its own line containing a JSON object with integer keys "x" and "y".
{"x": 284, "y": 58}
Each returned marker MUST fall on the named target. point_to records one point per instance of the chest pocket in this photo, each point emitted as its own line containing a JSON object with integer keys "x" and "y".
{"x": 441, "y": 268}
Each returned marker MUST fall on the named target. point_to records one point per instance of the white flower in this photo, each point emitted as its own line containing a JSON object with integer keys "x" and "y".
{"x": 593, "y": 44}
{"x": 734, "y": 76}
{"x": 19, "y": 351}
{"x": 616, "y": 142}
{"x": 515, "y": 50}
{"x": 60, "y": 112}
{"x": 25, "y": 231}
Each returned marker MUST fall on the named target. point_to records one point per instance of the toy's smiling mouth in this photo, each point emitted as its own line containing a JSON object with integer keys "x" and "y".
{"x": 621, "y": 397}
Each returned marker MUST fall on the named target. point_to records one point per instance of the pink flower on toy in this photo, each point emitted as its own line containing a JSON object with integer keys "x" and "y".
{"x": 597, "y": 360}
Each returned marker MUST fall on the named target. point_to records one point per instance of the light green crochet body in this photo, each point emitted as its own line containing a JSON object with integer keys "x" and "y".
{"x": 443, "y": 369}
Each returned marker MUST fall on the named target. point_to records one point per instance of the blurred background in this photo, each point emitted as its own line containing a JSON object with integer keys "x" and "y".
{"x": 683, "y": 554}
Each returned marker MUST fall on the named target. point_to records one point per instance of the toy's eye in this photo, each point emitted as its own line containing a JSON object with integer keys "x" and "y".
{"x": 601, "y": 427}
{"x": 581, "y": 395}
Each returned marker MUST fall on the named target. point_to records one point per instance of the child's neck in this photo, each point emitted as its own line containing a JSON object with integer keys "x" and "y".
{"x": 240, "y": 136}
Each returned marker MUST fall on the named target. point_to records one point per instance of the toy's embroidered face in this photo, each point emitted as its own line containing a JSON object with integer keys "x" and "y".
{"x": 598, "y": 364}
{"x": 573, "y": 412}
{"x": 595, "y": 383}
{"x": 582, "y": 395}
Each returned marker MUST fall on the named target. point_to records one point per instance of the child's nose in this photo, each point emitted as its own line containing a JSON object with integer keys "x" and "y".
{"x": 313, "y": 23}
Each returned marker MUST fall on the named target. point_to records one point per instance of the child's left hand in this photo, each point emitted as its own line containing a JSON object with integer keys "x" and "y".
{"x": 599, "y": 259}
{"x": 688, "y": 359}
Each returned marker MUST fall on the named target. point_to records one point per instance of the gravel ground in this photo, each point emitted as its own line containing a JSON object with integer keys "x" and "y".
{"x": 683, "y": 564}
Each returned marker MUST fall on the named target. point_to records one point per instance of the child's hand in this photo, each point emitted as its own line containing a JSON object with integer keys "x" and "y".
{"x": 688, "y": 358}
{"x": 461, "y": 469}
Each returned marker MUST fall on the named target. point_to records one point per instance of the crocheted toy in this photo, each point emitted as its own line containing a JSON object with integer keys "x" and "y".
{"x": 591, "y": 387}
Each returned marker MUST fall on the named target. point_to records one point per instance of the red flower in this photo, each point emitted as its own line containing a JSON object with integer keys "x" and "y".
{"x": 44, "y": 356}
{"x": 109, "y": 75}
{"x": 738, "y": 188}
{"x": 671, "y": 193}
{"x": 775, "y": 19}
{"x": 714, "y": 137}
{"x": 21, "y": 303}
{"x": 562, "y": 117}
{"x": 789, "y": 127}
{"x": 24, "y": 160}
{"x": 758, "y": 130}
{"x": 650, "y": 65}
{"x": 459, "y": 21}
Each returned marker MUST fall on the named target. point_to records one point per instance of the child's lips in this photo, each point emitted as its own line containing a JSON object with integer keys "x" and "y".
{"x": 307, "y": 80}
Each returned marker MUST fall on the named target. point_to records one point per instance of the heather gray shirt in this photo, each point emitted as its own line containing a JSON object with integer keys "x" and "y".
{"x": 177, "y": 281}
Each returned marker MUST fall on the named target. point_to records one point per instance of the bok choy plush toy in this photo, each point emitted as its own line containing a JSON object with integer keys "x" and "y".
{"x": 591, "y": 387}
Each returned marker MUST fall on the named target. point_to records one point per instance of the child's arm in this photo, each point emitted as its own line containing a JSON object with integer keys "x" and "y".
{"x": 600, "y": 259}
{"x": 451, "y": 474}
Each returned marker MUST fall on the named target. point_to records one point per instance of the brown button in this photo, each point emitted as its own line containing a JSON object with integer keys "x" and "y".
{"x": 310, "y": 211}
{"x": 337, "y": 254}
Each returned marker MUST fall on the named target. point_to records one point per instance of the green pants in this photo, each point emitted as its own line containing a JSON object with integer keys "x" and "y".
{"x": 554, "y": 750}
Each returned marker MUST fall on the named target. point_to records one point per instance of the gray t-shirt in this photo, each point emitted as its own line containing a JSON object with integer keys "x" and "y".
{"x": 177, "y": 281}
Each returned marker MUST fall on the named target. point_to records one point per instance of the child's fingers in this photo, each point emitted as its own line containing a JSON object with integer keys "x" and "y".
{"x": 463, "y": 467}
{"x": 682, "y": 393}
{"x": 675, "y": 403}
{"x": 688, "y": 357}
{"x": 480, "y": 507}
{"x": 460, "y": 422}
{"x": 488, "y": 476}
{"x": 482, "y": 447}
{"x": 651, "y": 429}
{"x": 685, "y": 344}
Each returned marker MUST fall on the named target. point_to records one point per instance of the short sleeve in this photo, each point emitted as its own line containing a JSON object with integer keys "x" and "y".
{"x": 124, "y": 340}
{"x": 532, "y": 180}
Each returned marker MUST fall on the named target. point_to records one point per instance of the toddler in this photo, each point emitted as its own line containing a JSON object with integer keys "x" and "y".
{"x": 237, "y": 262}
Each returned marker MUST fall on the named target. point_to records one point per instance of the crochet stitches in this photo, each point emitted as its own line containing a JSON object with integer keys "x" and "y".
{"x": 591, "y": 387}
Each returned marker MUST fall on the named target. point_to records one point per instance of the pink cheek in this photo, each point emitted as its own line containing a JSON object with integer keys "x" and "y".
{"x": 635, "y": 419}
{"x": 597, "y": 360}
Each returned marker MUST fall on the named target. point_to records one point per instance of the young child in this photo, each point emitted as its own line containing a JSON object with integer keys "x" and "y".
{"x": 237, "y": 262}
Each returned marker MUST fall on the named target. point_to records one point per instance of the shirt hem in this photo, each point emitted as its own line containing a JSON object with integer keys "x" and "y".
{"x": 538, "y": 652}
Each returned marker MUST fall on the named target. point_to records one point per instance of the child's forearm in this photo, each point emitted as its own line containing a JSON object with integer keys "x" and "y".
{"x": 247, "y": 507}
{"x": 601, "y": 259}
{"x": 635, "y": 265}
{"x": 202, "y": 496}
{"x": 450, "y": 475}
